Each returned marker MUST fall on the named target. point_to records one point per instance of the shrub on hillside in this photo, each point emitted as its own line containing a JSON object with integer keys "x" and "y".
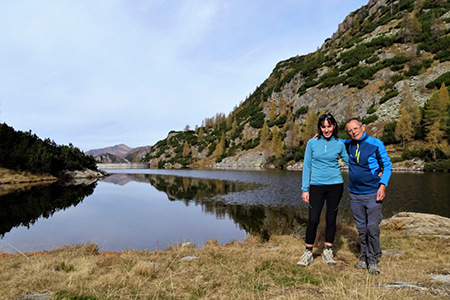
{"x": 279, "y": 122}
{"x": 422, "y": 153}
{"x": 442, "y": 165}
{"x": 389, "y": 133}
{"x": 369, "y": 119}
{"x": 257, "y": 120}
{"x": 444, "y": 78}
{"x": 301, "y": 111}
{"x": 388, "y": 96}
{"x": 416, "y": 68}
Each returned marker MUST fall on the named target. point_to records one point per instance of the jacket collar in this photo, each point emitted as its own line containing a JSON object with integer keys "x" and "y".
{"x": 363, "y": 138}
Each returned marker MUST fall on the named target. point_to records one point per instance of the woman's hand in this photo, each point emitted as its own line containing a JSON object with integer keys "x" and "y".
{"x": 305, "y": 197}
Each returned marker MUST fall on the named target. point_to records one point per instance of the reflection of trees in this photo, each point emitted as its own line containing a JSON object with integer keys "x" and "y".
{"x": 198, "y": 190}
{"x": 24, "y": 208}
{"x": 258, "y": 219}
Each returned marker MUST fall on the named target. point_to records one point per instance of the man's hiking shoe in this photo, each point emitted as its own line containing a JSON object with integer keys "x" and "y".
{"x": 327, "y": 257}
{"x": 306, "y": 259}
{"x": 373, "y": 269}
{"x": 361, "y": 264}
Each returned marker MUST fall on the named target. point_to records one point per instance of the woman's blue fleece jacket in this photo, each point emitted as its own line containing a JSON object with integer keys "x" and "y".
{"x": 320, "y": 165}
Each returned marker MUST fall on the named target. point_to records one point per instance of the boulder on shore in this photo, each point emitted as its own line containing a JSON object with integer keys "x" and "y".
{"x": 419, "y": 224}
{"x": 85, "y": 173}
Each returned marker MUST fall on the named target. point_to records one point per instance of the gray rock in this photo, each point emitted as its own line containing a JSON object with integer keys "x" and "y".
{"x": 186, "y": 258}
{"x": 440, "y": 278}
{"x": 401, "y": 284}
{"x": 394, "y": 252}
{"x": 244, "y": 160}
{"x": 35, "y": 296}
{"x": 85, "y": 173}
{"x": 419, "y": 224}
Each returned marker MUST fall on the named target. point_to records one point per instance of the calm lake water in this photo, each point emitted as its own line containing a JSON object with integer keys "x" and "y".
{"x": 153, "y": 209}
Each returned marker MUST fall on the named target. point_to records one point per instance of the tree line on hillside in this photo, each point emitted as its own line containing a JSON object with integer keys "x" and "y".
{"x": 421, "y": 132}
{"x": 27, "y": 152}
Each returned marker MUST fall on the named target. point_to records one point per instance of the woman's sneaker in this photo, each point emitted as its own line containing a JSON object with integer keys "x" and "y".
{"x": 373, "y": 269}
{"x": 306, "y": 258}
{"x": 327, "y": 257}
{"x": 361, "y": 264}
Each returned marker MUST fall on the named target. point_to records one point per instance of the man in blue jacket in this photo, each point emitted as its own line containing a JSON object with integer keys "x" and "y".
{"x": 367, "y": 159}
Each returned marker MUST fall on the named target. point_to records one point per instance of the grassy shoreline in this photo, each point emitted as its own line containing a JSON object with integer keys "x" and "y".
{"x": 8, "y": 176}
{"x": 249, "y": 270}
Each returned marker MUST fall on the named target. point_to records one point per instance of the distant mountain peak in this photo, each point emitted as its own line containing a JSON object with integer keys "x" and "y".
{"x": 118, "y": 153}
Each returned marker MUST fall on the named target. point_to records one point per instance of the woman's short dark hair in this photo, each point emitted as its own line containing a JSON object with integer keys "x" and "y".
{"x": 331, "y": 120}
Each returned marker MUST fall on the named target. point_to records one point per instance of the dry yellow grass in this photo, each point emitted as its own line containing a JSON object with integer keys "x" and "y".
{"x": 11, "y": 181}
{"x": 8, "y": 176}
{"x": 248, "y": 270}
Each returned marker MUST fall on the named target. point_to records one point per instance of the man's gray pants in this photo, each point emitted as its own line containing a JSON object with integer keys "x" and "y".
{"x": 367, "y": 215}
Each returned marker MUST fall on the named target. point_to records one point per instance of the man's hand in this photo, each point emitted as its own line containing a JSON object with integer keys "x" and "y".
{"x": 305, "y": 197}
{"x": 381, "y": 192}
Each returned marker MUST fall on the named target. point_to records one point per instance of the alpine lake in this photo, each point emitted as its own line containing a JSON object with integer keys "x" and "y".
{"x": 148, "y": 209}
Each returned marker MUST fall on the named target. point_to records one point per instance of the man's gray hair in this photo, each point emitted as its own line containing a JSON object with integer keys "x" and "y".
{"x": 354, "y": 119}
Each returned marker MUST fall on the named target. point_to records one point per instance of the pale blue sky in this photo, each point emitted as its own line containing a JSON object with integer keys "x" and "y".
{"x": 97, "y": 73}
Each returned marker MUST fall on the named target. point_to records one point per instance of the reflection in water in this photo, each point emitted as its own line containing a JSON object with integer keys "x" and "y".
{"x": 272, "y": 205}
{"x": 260, "y": 220}
{"x": 24, "y": 207}
{"x": 133, "y": 212}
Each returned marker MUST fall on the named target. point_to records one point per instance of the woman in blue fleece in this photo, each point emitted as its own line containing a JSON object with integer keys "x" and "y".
{"x": 322, "y": 182}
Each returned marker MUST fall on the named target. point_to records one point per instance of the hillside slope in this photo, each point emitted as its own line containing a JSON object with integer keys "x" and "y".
{"x": 384, "y": 64}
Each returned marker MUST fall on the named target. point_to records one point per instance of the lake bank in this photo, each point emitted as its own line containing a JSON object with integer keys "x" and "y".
{"x": 413, "y": 266}
{"x": 8, "y": 176}
{"x": 13, "y": 177}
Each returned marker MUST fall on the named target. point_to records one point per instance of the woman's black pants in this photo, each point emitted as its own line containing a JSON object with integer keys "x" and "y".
{"x": 318, "y": 195}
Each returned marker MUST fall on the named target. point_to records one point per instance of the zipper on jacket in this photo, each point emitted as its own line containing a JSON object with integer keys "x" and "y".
{"x": 325, "y": 145}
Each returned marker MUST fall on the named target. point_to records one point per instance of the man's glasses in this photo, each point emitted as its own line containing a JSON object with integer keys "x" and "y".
{"x": 353, "y": 129}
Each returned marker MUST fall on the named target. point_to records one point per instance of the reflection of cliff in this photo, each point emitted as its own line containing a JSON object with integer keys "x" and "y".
{"x": 21, "y": 208}
{"x": 258, "y": 219}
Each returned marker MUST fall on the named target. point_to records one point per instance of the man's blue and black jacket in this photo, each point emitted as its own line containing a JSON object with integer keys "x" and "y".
{"x": 367, "y": 158}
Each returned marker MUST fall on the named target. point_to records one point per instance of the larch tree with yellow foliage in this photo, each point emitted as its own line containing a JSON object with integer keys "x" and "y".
{"x": 272, "y": 112}
{"x": 411, "y": 106}
{"x": 220, "y": 147}
{"x": 186, "y": 149}
{"x": 264, "y": 137}
{"x": 277, "y": 145}
{"x": 200, "y": 134}
{"x": 404, "y": 131}
{"x": 434, "y": 137}
{"x": 310, "y": 127}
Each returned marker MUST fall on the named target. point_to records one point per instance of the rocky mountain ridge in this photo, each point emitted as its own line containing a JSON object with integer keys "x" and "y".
{"x": 118, "y": 154}
{"x": 381, "y": 55}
